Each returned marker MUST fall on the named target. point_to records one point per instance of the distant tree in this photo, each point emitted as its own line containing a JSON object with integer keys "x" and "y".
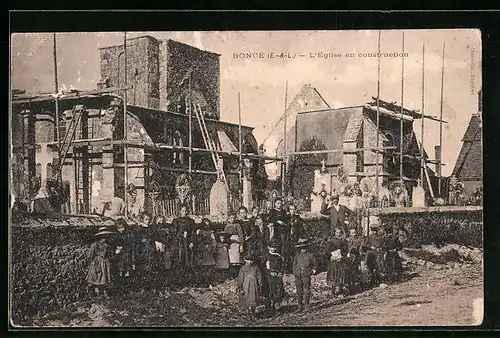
{"x": 260, "y": 178}
{"x": 300, "y": 174}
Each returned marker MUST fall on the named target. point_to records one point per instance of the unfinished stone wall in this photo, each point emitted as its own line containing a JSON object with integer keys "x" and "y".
{"x": 142, "y": 69}
{"x": 176, "y": 59}
{"x": 157, "y": 68}
{"x": 387, "y": 126}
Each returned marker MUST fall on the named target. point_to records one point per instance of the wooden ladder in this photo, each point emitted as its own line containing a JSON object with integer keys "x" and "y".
{"x": 69, "y": 136}
{"x": 209, "y": 144}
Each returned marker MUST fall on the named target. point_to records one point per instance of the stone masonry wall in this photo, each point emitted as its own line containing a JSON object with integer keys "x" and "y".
{"x": 175, "y": 61}
{"x": 142, "y": 69}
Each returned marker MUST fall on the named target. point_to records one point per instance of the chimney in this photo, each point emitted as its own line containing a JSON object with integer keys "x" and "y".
{"x": 480, "y": 100}
{"x": 437, "y": 156}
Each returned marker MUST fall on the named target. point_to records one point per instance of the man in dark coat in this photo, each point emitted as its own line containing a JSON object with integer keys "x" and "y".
{"x": 339, "y": 214}
{"x": 291, "y": 232}
{"x": 274, "y": 269}
{"x": 304, "y": 266}
{"x": 186, "y": 237}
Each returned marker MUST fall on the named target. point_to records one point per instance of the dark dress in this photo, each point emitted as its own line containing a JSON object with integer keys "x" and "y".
{"x": 184, "y": 253}
{"x": 145, "y": 252}
{"x": 261, "y": 240}
{"x": 204, "y": 253}
{"x": 392, "y": 261}
{"x": 336, "y": 273}
{"x": 125, "y": 259}
{"x": 163, "y": 259}
{"x": 274, "y": 264}
{"x": 221, "y": 256}
{"x": 355, "y": 250}
{"x": 279, "y": 218}
{"x": 99, "y": 271}
{"x": 249, "y": 234}
{"x": 374, "y": 257}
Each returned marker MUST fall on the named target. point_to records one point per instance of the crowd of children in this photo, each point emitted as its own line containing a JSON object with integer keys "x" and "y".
{"x": 256, "y": 248}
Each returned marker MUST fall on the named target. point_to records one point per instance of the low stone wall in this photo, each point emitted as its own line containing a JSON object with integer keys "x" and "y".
{"x": 49, "y": 256}
{"x": 462, "y": 225}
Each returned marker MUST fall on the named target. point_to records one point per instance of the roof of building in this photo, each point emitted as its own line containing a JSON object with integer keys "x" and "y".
{"x": 469, "y": 165}
{"x": 474, "y": 130}
{"x": 66, "y": 100}
{"x": 135, "y": 109}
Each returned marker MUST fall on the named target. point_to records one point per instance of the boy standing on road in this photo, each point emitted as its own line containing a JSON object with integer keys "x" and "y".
{"x": 304, "y": 266}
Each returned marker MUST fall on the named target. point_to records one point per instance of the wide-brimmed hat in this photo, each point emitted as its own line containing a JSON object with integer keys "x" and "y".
{"x": 104, "y": 231}
{"x": 302, "y": 242}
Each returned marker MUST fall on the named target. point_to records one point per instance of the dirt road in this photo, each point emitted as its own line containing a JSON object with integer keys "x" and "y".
{"x": 435, "y": 298}
{"x": 430, "y": 297}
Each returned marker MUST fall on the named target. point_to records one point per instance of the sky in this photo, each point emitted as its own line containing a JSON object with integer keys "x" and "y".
{"x": 342, "y": 81}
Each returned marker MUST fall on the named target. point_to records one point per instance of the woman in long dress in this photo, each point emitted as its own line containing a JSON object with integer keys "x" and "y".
{"x": 250, "y": 284}
{"x": 236, "y": 238}
{"x": 261, "y": 238}
{"x": 354, "y": 255}
{"x": 99, "y": 273}
{"x": 184, "y": 226}
{"x": 146, "y": 253}
{"x": 204, "y": 254}
{"x": 221, "y": 256}
{"x": 124, "y": 253}
{"x": 336, "y": 274}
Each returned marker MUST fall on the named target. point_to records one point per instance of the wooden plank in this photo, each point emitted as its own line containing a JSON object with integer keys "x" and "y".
{"x": 413, "y": 113}
{"x": 428, "y": 181}
{"x": 229, "y": 153}
{"x": 73, "y": 94}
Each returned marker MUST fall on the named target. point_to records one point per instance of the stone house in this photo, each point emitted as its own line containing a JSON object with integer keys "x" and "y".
{"x": 469, "y": 166}
{"x": 355, "y": 127}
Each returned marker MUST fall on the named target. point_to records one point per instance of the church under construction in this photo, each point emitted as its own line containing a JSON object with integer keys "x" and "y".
{"x": 170, "y": 92}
